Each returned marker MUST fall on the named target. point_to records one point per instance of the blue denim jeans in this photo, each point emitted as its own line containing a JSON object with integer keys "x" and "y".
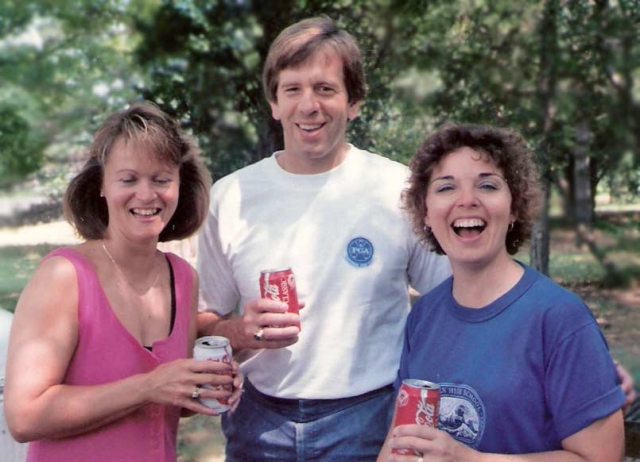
{"x": 347, "y": 429}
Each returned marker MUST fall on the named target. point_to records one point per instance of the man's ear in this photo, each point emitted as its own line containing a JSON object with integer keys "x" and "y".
{"x": 352, "y": 112}
{"x": 275, "y": 110}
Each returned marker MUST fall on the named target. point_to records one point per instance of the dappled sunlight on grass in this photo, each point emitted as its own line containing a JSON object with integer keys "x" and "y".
{"x": 574, "y": 268}
{"x": 18, "y": 264}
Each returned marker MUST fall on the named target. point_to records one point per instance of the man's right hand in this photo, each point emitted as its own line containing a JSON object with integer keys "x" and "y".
{"x": 267, "y": 324}
{"x": 279, "y": 328}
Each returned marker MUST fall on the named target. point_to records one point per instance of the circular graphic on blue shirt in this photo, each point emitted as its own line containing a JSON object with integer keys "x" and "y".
{"x": 360, "y": 251}
{"x": 462, "y": 413}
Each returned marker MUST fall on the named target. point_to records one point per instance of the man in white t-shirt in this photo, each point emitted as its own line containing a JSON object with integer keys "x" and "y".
{"x": 318, "y": 386}
{"x": 330, "y": 212}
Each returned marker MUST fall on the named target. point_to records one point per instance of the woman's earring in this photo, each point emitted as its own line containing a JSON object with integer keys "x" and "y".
{"x": 101, "y": 193}
{"x": 511, "y": 226}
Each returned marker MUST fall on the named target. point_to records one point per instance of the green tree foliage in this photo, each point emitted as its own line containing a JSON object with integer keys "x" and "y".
{"x": 564, "y": 72}
{"x": 62, "y": 64}
{"x": 205, "y": 60}
{"x": 492, "y": 60}
{"x": 21, "y": 150}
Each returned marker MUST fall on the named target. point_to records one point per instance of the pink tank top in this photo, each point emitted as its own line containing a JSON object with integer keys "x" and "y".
{"x": 107, "y": 352}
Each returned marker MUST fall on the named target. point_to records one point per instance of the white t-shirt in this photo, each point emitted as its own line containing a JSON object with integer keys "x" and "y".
{"x": 353, "y": 255}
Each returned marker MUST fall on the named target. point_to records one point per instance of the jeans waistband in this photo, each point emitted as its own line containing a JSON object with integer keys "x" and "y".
{"x": 304, "y": 410}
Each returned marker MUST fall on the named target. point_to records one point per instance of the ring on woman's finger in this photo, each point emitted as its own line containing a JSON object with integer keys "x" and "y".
{"x": 258, "y": 334}
{"x": 196, "y": 393}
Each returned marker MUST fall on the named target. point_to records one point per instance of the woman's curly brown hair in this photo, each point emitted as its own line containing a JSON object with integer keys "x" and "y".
{"x": 506, "y": 147}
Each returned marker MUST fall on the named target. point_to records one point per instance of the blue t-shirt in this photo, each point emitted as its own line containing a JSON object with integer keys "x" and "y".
{"x": 518, "y": 375}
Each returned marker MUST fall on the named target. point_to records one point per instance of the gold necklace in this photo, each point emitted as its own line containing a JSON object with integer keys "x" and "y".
{"x": 137, "y": 289}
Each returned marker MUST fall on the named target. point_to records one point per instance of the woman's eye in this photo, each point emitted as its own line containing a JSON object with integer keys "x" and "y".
{"x": 444, "y": 188}
{"x": 488, "y": 186}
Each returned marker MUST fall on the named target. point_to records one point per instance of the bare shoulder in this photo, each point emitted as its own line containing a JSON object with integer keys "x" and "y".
{"x": 59, "y": 269}
{"x": 53, "y": 271}
{"x": 53, "y": 288}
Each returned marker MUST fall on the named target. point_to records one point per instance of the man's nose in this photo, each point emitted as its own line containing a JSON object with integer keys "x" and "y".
{"x": 308, "y": 102}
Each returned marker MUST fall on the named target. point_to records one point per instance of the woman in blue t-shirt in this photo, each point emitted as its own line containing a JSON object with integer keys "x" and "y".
{"x": 521, "y": 363}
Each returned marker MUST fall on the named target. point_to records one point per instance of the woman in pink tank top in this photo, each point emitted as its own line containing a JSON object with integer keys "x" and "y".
{"x": 99, "y": 361}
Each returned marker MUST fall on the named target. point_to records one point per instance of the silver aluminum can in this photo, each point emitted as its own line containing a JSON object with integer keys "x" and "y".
{"x": 214, "y": 348}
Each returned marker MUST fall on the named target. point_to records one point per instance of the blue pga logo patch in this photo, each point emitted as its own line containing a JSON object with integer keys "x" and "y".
{"x": 360, "y": 252}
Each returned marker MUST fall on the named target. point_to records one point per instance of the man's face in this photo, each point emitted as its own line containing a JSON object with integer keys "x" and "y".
{"x": 313, "y": 107}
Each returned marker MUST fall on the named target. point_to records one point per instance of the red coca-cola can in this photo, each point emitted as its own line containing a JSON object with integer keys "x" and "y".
{"x": 418, "y": 402}
{"x": 214, "y": 348}
{"x": 280, "y": 285}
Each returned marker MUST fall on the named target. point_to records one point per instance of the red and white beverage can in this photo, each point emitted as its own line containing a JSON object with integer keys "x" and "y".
{"x": 418, "y": 402}
{"x": 214, "y": 348}
{"x": 280, "y": 285}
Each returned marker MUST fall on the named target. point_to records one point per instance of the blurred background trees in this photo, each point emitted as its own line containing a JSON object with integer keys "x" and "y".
{"x": 565, "y": 73}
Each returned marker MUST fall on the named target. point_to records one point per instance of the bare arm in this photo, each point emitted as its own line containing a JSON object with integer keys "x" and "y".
{"x": 43, "y": 340}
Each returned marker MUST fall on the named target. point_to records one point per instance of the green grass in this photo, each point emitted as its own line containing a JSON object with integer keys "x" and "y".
{"x": 618, "y": 237}
{"x": 570, "y": 269}
{"x": 621, "y": 329}
{"x": 18, "y": 264}
{"x": 199, "y": 437}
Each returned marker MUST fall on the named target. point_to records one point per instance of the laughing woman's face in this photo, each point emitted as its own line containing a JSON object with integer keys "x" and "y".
{"x": 469, "y": 207}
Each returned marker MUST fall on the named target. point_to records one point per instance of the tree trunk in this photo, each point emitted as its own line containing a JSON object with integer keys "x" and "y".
{"x": 568, "y": 180}
{"x": 582, "y": 212}
{"x": 540, "y": 236}
{"x": 539, "y": 251}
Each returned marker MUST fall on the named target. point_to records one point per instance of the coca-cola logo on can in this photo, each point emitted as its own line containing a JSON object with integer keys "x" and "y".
{"x": 418, "y": 402}
{"x": 280, "y": 284}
